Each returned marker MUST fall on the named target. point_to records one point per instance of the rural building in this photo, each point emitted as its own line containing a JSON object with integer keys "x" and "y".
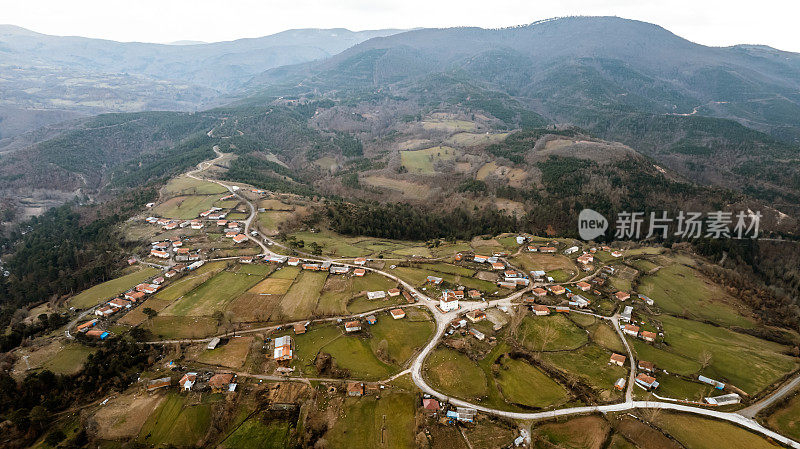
{"x": 283, "y": 348}
{"x": 547, "y": 249}
{"x": 408, "y": 297}
{"x": 622, "y": 296}
{"x": 541, "y": 310}
{"x": 459, "y": 294}
{"x": 520, "y": 240}
{"x": 584, "y": 286}
{"x": 246, "y": 259}
{"x": 394, "y": 292}
{"x": 498, "y": 266}
{"x": 562, "y": 309}
{"x": 105, "y": 311}
{"x": 187, "y": 381}
{"x": 352, "y": 326}
{"x": 158, "y": 281}
{"x": 376, "y": 295}
{"x": 646, "y": 366}
{"x": 626, "y": 314}
{"x": 277, "y": 258}
{"x": 293, "y": 262}
{"x": 620, "y": 384}
{"x": 617, "y": 359}
{"x": 474, "y": 294}
{"x": 239, "y": 238}
{"x": 480, "y": 259}
{"x": 538, "y": 274}
{"x": 646, "y": 382}
{"x": 360, "y": 261}
{"x": 477, "y": 334}
{"x": 476, "y": 315}
{"x": 196, "y": 225}
{"x": 339, "y": 270}
{"x": 538, "y": 291}
{"x": 508, "y": 285}
{"x": 462, "y": 414}
{"x": 371, "y": 319}
{"x": 213, "y": 343}
{"x": 221, "y": 382}
{"x": 355, "y": 389}
{"x": 448, "y": 302}
{"x": 571, "y": 250}
{"x": 579, "y": 301}
{"x": 586, "y": 259}
{"x": 120, "y": 303}
{"x": 98, "y": 334}
{"x": 646, "y": 300}
{"x": 630, "y": 329}
{"x": 134, "y": 296}
{"x": 725, "y": 399}
{"x": 717, "y": 384}
{"x": 160, "y": 254}
{"x": 159, "y": 383}
{"x": 649, "y": 336}
{"x": 617, "y": 253}
{"x": 557, "y": 290}
{"x": 434, "y": 280}
{"x": 85, "y": 326}
{"x": 397, "y": 313}
{"x": 195, "y": 265}
{"x": 430, "y": 405}
{"x": 300, "y": 328}
{"x": 359, "y": 272}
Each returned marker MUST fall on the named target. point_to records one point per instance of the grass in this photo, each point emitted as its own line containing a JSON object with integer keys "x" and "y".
{"x": 670, "y": 361}
{"x": 173, "y": 327}
{"x": 301, "y": 298}
{"x": 184, "y": 185}
{"x": 545, "y": 262}
{"x": 455, "y": 374}
{"x": 212, "y": 295}
{"x": 109, "y": 289}
{"x": 409, "y": 189}
{"x": 179, "y": 287}
{"x": 564, "y": 334}
{"x": 445, "y": 124}
{"x": 404, "y": 337}
{"x": 308, "y": 345}
{"x": 269, "y": 221}
{"x": 355, "y": 354}
{"x": 417, "y": 277}
{"x": 679, "y": 388}
{"x": 286, "y": 273}
{"x": 785, "y": 419}
{"x": 522, "y": 383}
{"x": 232, "y": 354}
{"x": 702, "y": 433}
{"x": 679, "y": 289}
{"x": 254, "y": 433}
{"x": 585, "y": 432}
{"x": 272, "y": 286}
{"x": 175, "y": 422}
{"x": 475, "y": 139}
{"x": 387, "y": 422}
{"x": 590, "y": 363}
{"x": 340, "y": 295}
{"x": 186, "y": 207}
{"x": 69, "y": 360}
{"x": 605, "y": 336}
{"x": 422, "y": 161}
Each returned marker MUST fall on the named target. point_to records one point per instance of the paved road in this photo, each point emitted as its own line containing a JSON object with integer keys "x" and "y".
{"x": 780, "y": 393}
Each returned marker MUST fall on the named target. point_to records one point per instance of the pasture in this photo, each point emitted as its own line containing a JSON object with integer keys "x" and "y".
{"x": 423, "y": 161}
{"x": 407, "y": 189}
{"x": 465, "y": 139}
{"x": 585, "y": 432}
{"x": 109, "y": 289}
{"x": 785, "y": 418}
{"x": 212, "y": 295}
{"x": 184, "y": 185}
{"x": 177, "y": 422}
{"x": 387, "y": 422}
{"x": 232, "y": 354}
{"x": 703, "y": 433}
{"x": 522, "y": 383}
{"x": 591, "y": 364}
{"x": 455, "y": 374}
{"x": 301, "y": 298}
{"x": 550, "y": 333}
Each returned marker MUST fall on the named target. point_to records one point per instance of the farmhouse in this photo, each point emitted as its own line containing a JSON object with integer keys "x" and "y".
{"x": 85, "y": 326}
{"x": 158, "y": 383}
{"x": 105, "y": 311}
{"x": 532, "y": 248}
{"x": 277, "y": 258}
{"x": 371, "y": 319}
{"x": 339, "y": 270}
{"x": 376, "y": 295}
{"x": 394, "y": 292}
{"x": 459, "y": 294}
{"x": 359, "y": 272}
{"x": 538, "y": 274}
{"x": 397, "y": 313}
{"x": 311, "y": 266}
{"x": 508, "y": 285}
{"x": 480, "y": 259}
{"x": 646, "y": 366}
{"x": 98, "y": 333}
{"x": 617, "y": 359}
{"x": 355, "y": 389}
{"x": 579, "y": 301}
{"x": 160, "y": 254}
{"x": 293, "y": 262}
{"x": 646, "y": 300}
{"x": 620, "y": 384}
{"x": 430, "y": 405}
{"x": 134, "y": 296}
{"x": 498, "y": 266}
{"x": 120, "y": 303}
{"x": 557, "y": 290}
{"x": 239, "y": 238}
{"x": 360, "y": 261}
{"x": 434, "y": 280}
{"x": 540, "y": 310}
{"x": 477, "y": 334}
{"x": 622, "y": 296}
{"x": 246, "y": 259}
{"x": 158, "y": 281}
{"x": 571, "y": 250}
{"x": 408, "y": 297}
{"x": 617, "y": 253}
{"x": 300, "y": 328}
{"x": 476, "y": 315}
{"x": 474, "y": 294}
{"x": 197, "y": 225}
{"x": 646, "y": 382}
{"x": 584, "y": 286}
{"x": 220, "y": 382}
{"x": 630, "y": 329}
{"x": 187, "y": 381}
{"x": 586, "y": 258}
{"x": 352, "y": 326}
{"x": 562, "y": 309}
{"x": 649, "y": 336}
{"x": 547, "y": 249}
{"x": 538, "y": 291}
{"x": 283, "y": 348}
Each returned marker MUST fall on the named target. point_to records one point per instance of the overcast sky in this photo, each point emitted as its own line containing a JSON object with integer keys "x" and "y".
{"x": 709, "y": 22}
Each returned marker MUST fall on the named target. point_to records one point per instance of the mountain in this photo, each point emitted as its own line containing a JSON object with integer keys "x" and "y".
{"x": 76, "y": 75}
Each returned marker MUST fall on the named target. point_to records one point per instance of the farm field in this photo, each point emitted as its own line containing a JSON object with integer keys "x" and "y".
{"x": 455, "y": 374}
{"x": 702, "y": 433}
{"x": 591, "y": 364}
{"x": 185, "y": 207}
{"x": 269, "y": 221}
{"x": 563, "y": 266}
{"x": 231, "y": 354}
{"x": 522, "y": 383}
{"x": 404, "y": 337}
{"x": 785, "y": 418}
{"x": 109, "y": 289}
{"x": 255, "y": 433}
{"x": 417, "y": 277}
{"x": 124, "y": 416}
{"x": 170, "y": 327}
{"x": 366, "y": 421}
{"x": 465, "y": 139}
{"x": 176, "y": 422}
{"x": 550, "y": 333}
{"x": 408, "y": 189}
{"x": 56, "y": 356}
{"x": 422, "y": 161}
{"x": 585, "y": 432}
{"x": 212, "y": 295}
{"x": 448, "y": 124}
{"x": 678, "y": 289}
{"x": 301, "y": 298}
{"x": 184, "y": 185}
{"x": 272, "y": 286}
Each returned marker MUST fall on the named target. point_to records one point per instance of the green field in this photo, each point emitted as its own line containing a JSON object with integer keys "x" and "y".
{"x": 678, "y": 289}
{"x": 368, "y": 422}
{"x": 591, "y": 364}
{"x": 69, "y": 360}
{"x": 405, "y": 336}
{"x": 338, "y": 293}
{"x": 422, "y": 161}
{"x": 175, "y": 422}
{"x": 355, "y": 354}
{"x": 255, "y": 433}
{"x": 605, "y": 336}
{"x": 703, "y": 433}
{"x": 474, "y": 139}
{"x": 179, "y": 287}
{"x": 212, "y": 295}
{"x": 286, "y": 272}
{"x": 184, "y": 185}
{"x": 185, "y": 207}
{"x": 561, "y": 333}
{"x": 522, "y": 383}
{"x": 785, "y": 419}
{"x": 301, "y": 299}
{"x": 417, "y": 277}
{"x": 182, "y": 326}
{"x": 678, "y": 388}
{"x": 109, "y": 289}
{"x": 270, "y": 220}
{"x": 455, "y": 374}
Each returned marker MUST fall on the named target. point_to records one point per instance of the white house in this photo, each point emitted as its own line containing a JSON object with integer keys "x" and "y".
{"x": 448, "y": 302}
{"x": 376, "y": 295}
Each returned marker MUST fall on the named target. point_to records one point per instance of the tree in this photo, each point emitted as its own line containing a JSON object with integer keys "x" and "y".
{"x": 150, "y": 314}
{"x": 39, "y": 416}
{"x": 704, "y": 358}
{"x": 219, "y": 317}
{"x": 547, "y": 335}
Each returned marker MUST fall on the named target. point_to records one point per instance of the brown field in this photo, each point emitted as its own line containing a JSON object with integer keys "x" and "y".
{"x": 547, "y": 262}
{"x": 271, "y": 204}
{"x": 232, "y": 354}
{"x": 250, "y": 307}
{"x": 301, "y": 299}
{"x": 643, "y": 435}
{"x": 558, "y": 143}
{"x": 272, "y": 286}
{"x": 586, "y": 432}
{"x": 407, "y": 188}
{"x": 124, "y": 416}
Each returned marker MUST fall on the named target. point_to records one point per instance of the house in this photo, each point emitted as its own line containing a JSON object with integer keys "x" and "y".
{"x": 586, "y": 258}
{"x": 448, "y": 302}
{"x": 480, "y": 259}
{"x": 430, "y": 405}
{"x": 239, "y": 238}
{"x": 508, "y": 285}
{"x": 538, "y": 274}
{"x": 293, "y": 262}
{"x": 462, "y": 414}
{"x": 170, "y": 274}
{"x": 311, "y": 266}
{"x": 547, "y": 249}
{"x": 105, "y": 311}
{"x": 646, "y": 300}
{"x": 520, "y": 240}
{"x": 725, "y": 399}
{"x": 409, "y": 299}
{"x": 277, "y": 258}
{"x": 221, "y": 382}
{"x": 616, "y": 253}
{"x": 150, "y": 289}
{"x": 649, "y": 336}
{"x": 98, "y": 333}
{"x": 359, "y": 272}
{"x": 510, "y": 274}
{"x": 474, "y": 294}
{"x": 579, "y": 301}
{"x": 222, "y": 222}
{"x": 196, "y": 225}
{"x": 134, "y": 296}
{"x": 397, "y": 313}
{"x": 617, "y": 359}
{"x": 355, "y": 389}
{"x": 476, "y": 315}
{"x": 300, "y": 328}
{"x": 630, "y": 329}
{"x": 360, "y": 261}
{"x": 231, "y": 234}
{"x": 540, "y": 310}
{"x": 459, "y": 294}
{"x": 646, "y": 382}
{"x": 434, "y": 280}
{"x": 158, "y": 281}
{"x": 394, "y": 292}
{"x": 283, "y": 348}
{"x": 498, "y": 266}
{"x": 160, "y": 254}
{"x": 213, "y": 343}
{"x": 376, "y": 295}
{"x": 620, "y": 384}
{"x": 162, "y": 221}
{"x": 352, "y": 326}
{"x": 477, "y": 334}
{"x": 232, "y": 224}
{"x": 195, "y": 265}
{"x": 371, "y": 319}
{"x": 584, "y": 286}
{"x": 539, "y": 292}
{"x": 159, "y": 383}
{"x": 622, "y": 296}
{"x": 646, "y": 366}
{"x": 717, "y": 384}
{"x": 170, "y": 226}
{"x": 626, "y": 314}
{"x": 339, "y": 270}
{"x": 557, "y": 290}
{"x": 571, "y": 250}
{"x": 85, "y": 326}
{"x": 187, "y": 381}
{"x": 458, "y": 257}
{"x": 562, "y": 309}
{"x": 120, "y": 303}
{"x": 246, "y": 259}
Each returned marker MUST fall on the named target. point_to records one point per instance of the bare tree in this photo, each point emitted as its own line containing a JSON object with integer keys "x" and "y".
{"x": 548, "y": 334}
{"x": 704, "y": 358}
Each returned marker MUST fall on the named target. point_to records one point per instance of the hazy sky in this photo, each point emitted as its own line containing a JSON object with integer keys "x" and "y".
{"x": 710, "y": 22}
